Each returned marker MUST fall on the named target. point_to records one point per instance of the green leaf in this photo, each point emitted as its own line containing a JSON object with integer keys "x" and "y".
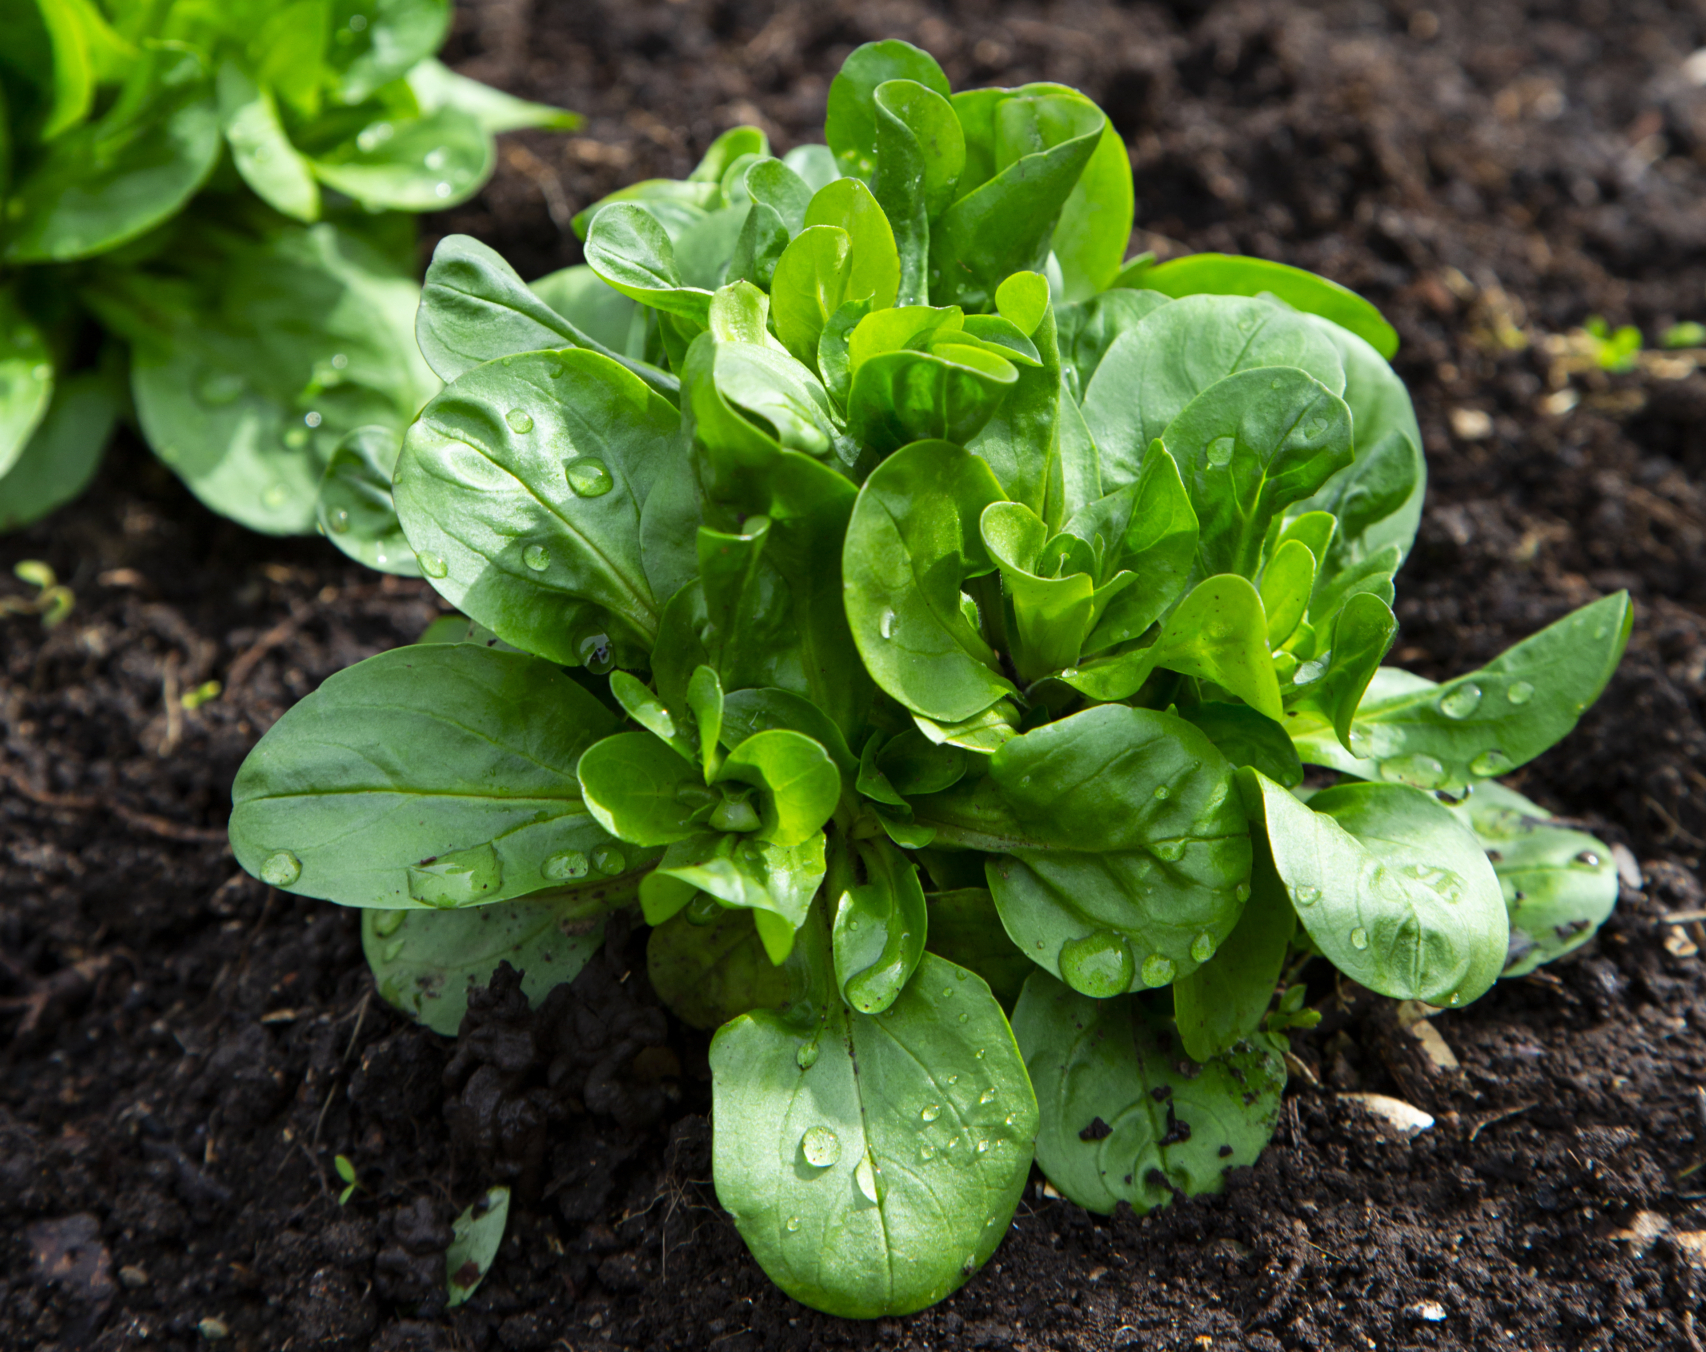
{"x": 26, "y": 379}
{"x": 775, "y": 882}
{"x": 388, "y": 40}
{"x": 108, "y": 181}
{"x": 355, "y": 510}
{"x": 60, "y": 459}
{"x": 873, "y": 263}
{"x": 983, "y": 732}
{"x": 705, "y": 699}
{"x": 880, "y": 928}
{"x": 425, "y": 965}
{"x": 1218, "y": 633}
{"x": 748, "y": 712}
{"x": 1122, "y": 1118}
{"x": 436, "y": 86}
{"x": 946, "y": 394}
{"x": 520, "y": 488}
{"x": 850, "y": 121}
{"x": 474, "y": 309}
{"x": 1223, "y": 1001}
{"x": 599, "y": 311}
{"x": 261, "y": 148}
{"x": 912, "y": 542}
{"x": 475, "y": 1238}
{"x": 725, "y": 150}
{"x": 1287, "y": 580}
{"x": 1041, "y": 145}
{"x": 1154, "y": 369}
{"x": 1392, "y": 888}
{"x": 1233, "y": 275}
{"x": 249, "y": 370}
{"x": 642, "y": 791}
{"x": 627, "y": 247}
{"x": 1053, "y": 615}
{"x": 712, "y": 970}
{"x": 1486, "y": 723}
{"x": 1333, "y": 684}
{"x": 1095, "y": 224}
{"x": 421, "y": 163}
{"x": 1246, "y": 737}
{"x": 1087, "y": 329}
{"x": 1559, "y": 885}
{"x": 965, "y": 928}
{"x": 1021, "y": 440}
{"x": 1248, "y": 447}
{"x": 421, "y": 777}
{"x": 809, "y": 286}
{"x": 799, "y": 783}
{"x": 921, "y": 151}
{"x": 867, "y": 1184}
{"x": 86, "y": 53}
{"x": 1124, "y": 854}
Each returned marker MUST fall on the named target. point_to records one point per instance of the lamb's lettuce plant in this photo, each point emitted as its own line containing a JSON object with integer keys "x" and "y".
{"x": 925, "y": 619}
{"x": 219, "y": 185}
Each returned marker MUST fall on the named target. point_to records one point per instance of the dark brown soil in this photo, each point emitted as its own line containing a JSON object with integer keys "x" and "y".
{"x": 187, "y": 1051}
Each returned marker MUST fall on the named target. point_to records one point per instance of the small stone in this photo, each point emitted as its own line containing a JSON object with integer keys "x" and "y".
{"x": 1406, "y": 1117}
{"x": 214, "y": 1329}
{"x": 1430, "y": 1310}
{"x": 133, "y": 1277}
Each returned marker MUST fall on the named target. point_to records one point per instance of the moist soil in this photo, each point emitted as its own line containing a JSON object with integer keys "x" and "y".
{"x": 186, "y": 1051}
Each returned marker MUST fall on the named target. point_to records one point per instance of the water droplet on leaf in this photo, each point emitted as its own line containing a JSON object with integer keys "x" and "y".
{"x": 609, "y": 860}
{"x": 536, "y": 557}
{"x": 1158, "y": 970}
{"x": 1202, "y": 948}
{"x": 1100, "y": 965}
{"x": 519, "y": 420}
{"x": 1419, "y": 770}
{"x": 1306, "y": 895}
{"x": 431, "y": 564}
{"x": 807, "y": 1055}
{"x": 987, "y": 1096}
{"x": 821, "y": 1147}
{"x": 885, "y": 624}
{"x": 1170, "y": 850}
{"x": 1359, "y": 938}
{"x": 459, "y": 878}
{"x": 1460, "y": 701}
{"x": 564, "y": 865}
{"x": 930, "y": 1111}
{"x": 1519, "y": 692}
{"x": 1490, "y": 763}
{"x": 588, "y": 478}
{"x": 793, "y": 1224}
{"x": 595, "y": 654}
{"x": 1220, "y": 452}
{"x": 865, "y": 1175}
{"x": 338, "y": 520}
{"x": 281, "y": 869}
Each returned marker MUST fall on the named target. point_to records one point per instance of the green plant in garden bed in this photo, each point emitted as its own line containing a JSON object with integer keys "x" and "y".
{"x": 925, "y": 620}
{"x": 220, "y": 185}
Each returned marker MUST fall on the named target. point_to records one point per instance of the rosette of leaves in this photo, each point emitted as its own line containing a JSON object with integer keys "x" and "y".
{"x": 926, "y": 619}
{"x": 221, "y": 187}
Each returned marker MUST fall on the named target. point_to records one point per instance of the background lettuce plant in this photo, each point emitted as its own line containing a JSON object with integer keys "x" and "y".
{"x": 219, "y": 183}
{"x": 925, "y": 619}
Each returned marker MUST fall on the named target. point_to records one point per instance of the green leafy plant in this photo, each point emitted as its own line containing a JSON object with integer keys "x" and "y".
{"x": 925, "y": 619}
{"x": 219, "y": 187}
{"x": 351, "y": 1178}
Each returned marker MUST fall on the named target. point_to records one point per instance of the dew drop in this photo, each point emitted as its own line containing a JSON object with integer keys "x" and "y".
{"x": 457, "y": 878}
{"x": 793, "y": 1224}
{"x": 281, "y": 868}
{"x": 953, "y": 1079}
{"x": 1359, "y": 938}
{"x": 595, "y": 654}
{"x": 564, "y": 865}
{"x": 807, "y": 1055}
{"x": 1010, "y": 1119}
{"x": 865, "y": 1175}
{"x": 987, "y": 1096}
{"x": 1587, "y": 858}
{"x": 965, "y": 1018}
{"x": 519, "y": 420}
{"x": 1460, "y": 701}
{"x": 1419, "y": 770}
{"x": 1306, "y": 895}
{"x": 1169, "y": 850}
{"x": 1202, "y": 948}
{"x": 1519, "y": 692}
{"x": 609, "y": 860}
{"x": 1309, "y": 672}
{"x": 979, "y": 1054}
{"x": 1162, "y": 792}
{"x": 982, "y": 1146}
{"x": 1100, "y": 965}
{"x": 1242, "y": 891}
{"x": 1220, "y": 452}
{"x": 536, "y": 557}
{"x": 930, "y": 1112}
{"x": 435, "y": 158}
{"x": 885, "y": 624}
{"x": 1492, "y": 763}
{"x": 926, "y": 1151}
{"x": 432, "y": 564}
{"x": 338, "y": 520}
{"x": 1316, "y": 427}
{"x": 1158, "y": 970}
{"x": 588, "y": 478}
{"x": 388, "y": 923}
{"x": 820, "y": 1146}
